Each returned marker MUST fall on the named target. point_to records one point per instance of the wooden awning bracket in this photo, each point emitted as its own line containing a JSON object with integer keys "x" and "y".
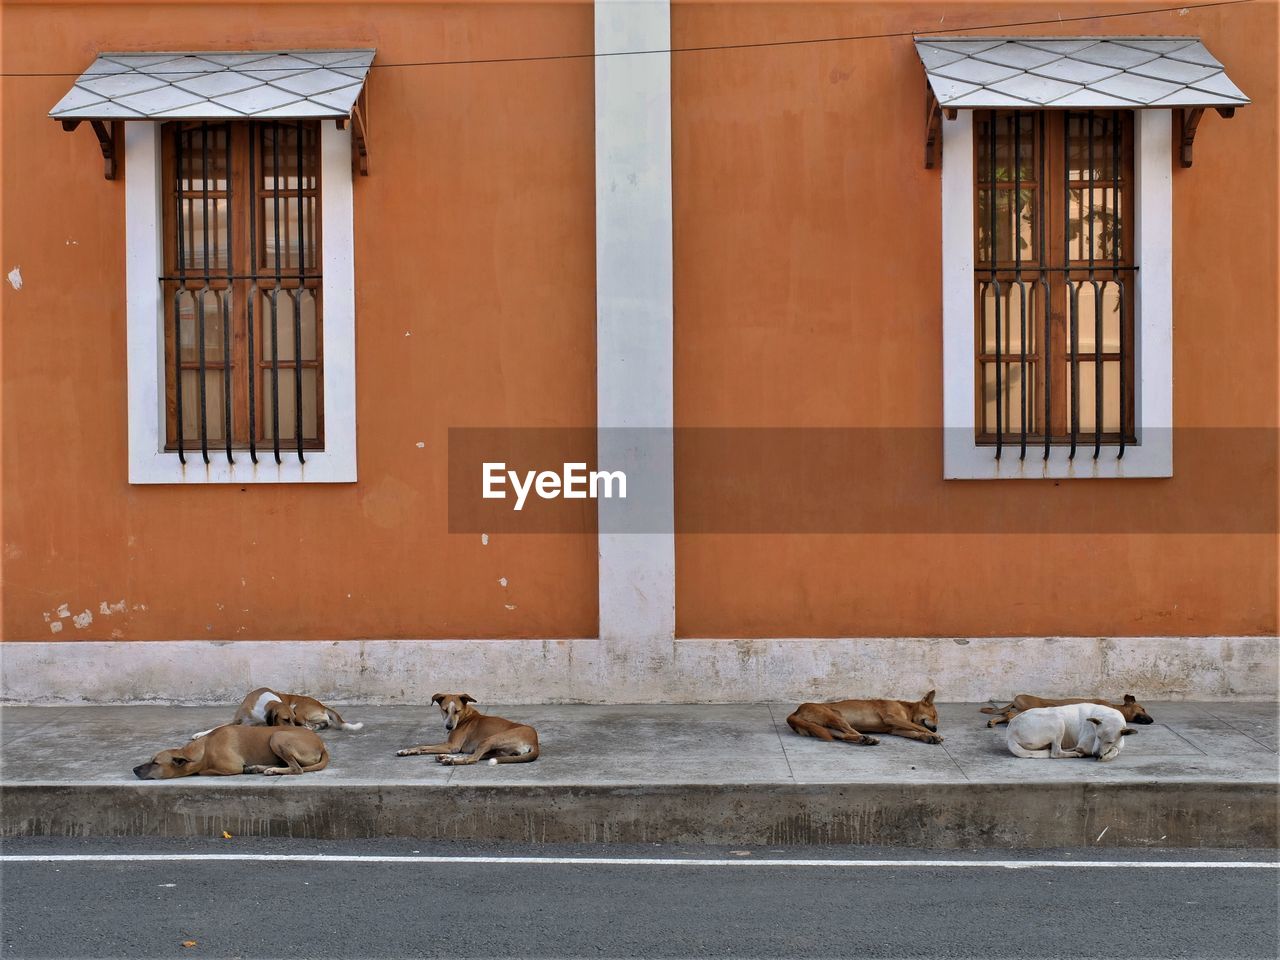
{"x": 109, "y": 140}
{"x": 933, "y": 115}
{"x": 359, "y": 122}
{"x": 1189, "y": 123}
{"x": 932, "y": 129}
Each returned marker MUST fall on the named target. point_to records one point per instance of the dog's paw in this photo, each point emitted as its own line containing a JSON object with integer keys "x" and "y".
{"x": 869, "y": 741}
{"x": 405, "y": 753}
{"x": 933, "y": 738}
{"x": 274, "y": 771}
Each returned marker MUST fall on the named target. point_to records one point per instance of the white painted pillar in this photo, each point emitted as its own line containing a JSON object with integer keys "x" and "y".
{"x": 634, "y": 353}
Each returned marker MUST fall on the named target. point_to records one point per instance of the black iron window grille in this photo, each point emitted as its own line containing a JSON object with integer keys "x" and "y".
{"x": 242, "y": 289}
{"x": 1054, "y": 280}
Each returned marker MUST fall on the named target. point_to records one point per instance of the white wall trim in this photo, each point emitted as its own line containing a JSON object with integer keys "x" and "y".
{"x": 963, "y": 459}
{"x": 694, "y": 671}
{"x": 635, "y": 405}
{"x": 148, "y": 462}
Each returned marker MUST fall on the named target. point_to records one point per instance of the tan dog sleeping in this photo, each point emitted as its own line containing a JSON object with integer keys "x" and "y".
{"x": 851, "y": 720}
{"x": 229, "y": 750}
{"x": 1132, "y": 710}
{"x": 474, "y": 736}
{"x": 265, "y": 707}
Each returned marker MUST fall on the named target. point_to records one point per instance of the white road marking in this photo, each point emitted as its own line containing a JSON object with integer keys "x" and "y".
{"x": 630, "y": 861}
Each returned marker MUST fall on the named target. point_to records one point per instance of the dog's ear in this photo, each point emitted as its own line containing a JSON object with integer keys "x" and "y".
{"x": 1126, "y": 731}
{"x": 437, "y": 698}
{"x": 468, "y": 698}
{"x": 928, "y": 697}
{"x": 179, "y": 761}
{"x": 1095, "y": 721}
{"x": 1129, "y": 698}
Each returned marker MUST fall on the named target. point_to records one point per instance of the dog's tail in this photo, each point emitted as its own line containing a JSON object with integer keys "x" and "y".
{"x": 203, "y": 733}
{"x": 336, "y": 720}
{"x": 1004, "y": 709}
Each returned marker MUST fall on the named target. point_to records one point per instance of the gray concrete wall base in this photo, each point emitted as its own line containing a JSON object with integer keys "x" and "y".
{"x": 681, "y": 671}
{"x": 946, "y": 816}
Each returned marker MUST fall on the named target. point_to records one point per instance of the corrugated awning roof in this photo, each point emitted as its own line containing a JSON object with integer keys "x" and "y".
{"x": 1075, "y": 73}
{"x": 208, "y": 85}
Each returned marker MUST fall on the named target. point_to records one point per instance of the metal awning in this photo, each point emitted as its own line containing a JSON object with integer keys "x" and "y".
{"x": 217, "y": 85}
{"x": 1076, "y": 73}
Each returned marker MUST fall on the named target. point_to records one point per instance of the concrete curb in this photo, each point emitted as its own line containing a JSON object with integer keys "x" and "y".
{"x": 943, "y": 816}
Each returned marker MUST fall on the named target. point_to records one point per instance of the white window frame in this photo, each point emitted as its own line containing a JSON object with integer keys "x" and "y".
{"x": 149, "y": 462}
{"x": 1152, "y": 456}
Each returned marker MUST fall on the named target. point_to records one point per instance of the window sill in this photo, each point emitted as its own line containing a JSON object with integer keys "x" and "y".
{"x": 964, "y": 460}
{"x": 321, "y": 467}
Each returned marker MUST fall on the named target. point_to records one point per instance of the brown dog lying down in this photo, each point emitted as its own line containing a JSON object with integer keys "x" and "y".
{"x": 226, "y": 751}
{"x": 1133, "y": 711}
{"x": 851, "y": 720}
{"x": 473, "y": 736}
{"x": 266, "y": 707}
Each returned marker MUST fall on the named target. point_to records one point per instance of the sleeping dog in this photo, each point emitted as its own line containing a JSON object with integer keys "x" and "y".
{"x": 228, "y": 750}
{"x": 851, "y": 720}
{"x": 265, "y": 707}
{"x": 1074, "y": 730}
{"x": 1133, "y": 711}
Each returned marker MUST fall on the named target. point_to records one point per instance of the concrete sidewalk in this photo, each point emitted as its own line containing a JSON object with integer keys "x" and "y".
{"x": 1204, "y": 774}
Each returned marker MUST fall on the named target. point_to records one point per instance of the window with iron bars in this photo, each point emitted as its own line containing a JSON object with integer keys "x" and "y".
{"x": 242, "y": 289}
{"x": 1054, "y": 277}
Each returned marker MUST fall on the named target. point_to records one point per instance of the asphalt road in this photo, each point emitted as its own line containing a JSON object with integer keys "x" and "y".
{"x": 728, "y": 905}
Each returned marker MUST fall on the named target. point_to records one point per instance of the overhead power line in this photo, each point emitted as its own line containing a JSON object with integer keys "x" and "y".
{"x": 711, "y": 48}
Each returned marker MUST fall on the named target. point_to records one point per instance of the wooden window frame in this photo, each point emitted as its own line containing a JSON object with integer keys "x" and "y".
{"x": 1050, "y": 203}
{"x": 247, "y": 273}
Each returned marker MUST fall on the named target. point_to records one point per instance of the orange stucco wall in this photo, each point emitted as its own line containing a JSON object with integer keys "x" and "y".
{"x": 475, "y": 301}
{"x": 807, "y": 294}
{"x": 807, "y": 239}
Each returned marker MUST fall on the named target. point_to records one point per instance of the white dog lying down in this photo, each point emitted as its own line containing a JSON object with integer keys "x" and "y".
{"x": 1077, "y": 730}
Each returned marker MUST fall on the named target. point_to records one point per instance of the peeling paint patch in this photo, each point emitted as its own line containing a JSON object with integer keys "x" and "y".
{"x": 47, "y": 618}
{"x": 15, "y": 278}
{"x": 420, "y": 444}
{"x": 55, "y": 627}
{"x": 509, "y": 606}
{"x": 82, "y": 619}
{"x": 502, "y": 581}
{"x": 106, "y": 609}
{"x": 63, "y": 611}
{"x": 484, "y": 539}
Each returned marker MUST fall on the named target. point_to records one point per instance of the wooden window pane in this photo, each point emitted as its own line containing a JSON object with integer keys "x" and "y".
{"x": 1108, "y": 294}
{"x": 214, "y": 420}
{"x": 1011, "y": 388}
{"x": 1088, "y": 399}
{"x": 289, "y": 220}
{"x": 1011, "y": 317}
{"x": 306, "y": 302}
{"x": 189, "y": 341}
{"x": 288, "y": 420}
